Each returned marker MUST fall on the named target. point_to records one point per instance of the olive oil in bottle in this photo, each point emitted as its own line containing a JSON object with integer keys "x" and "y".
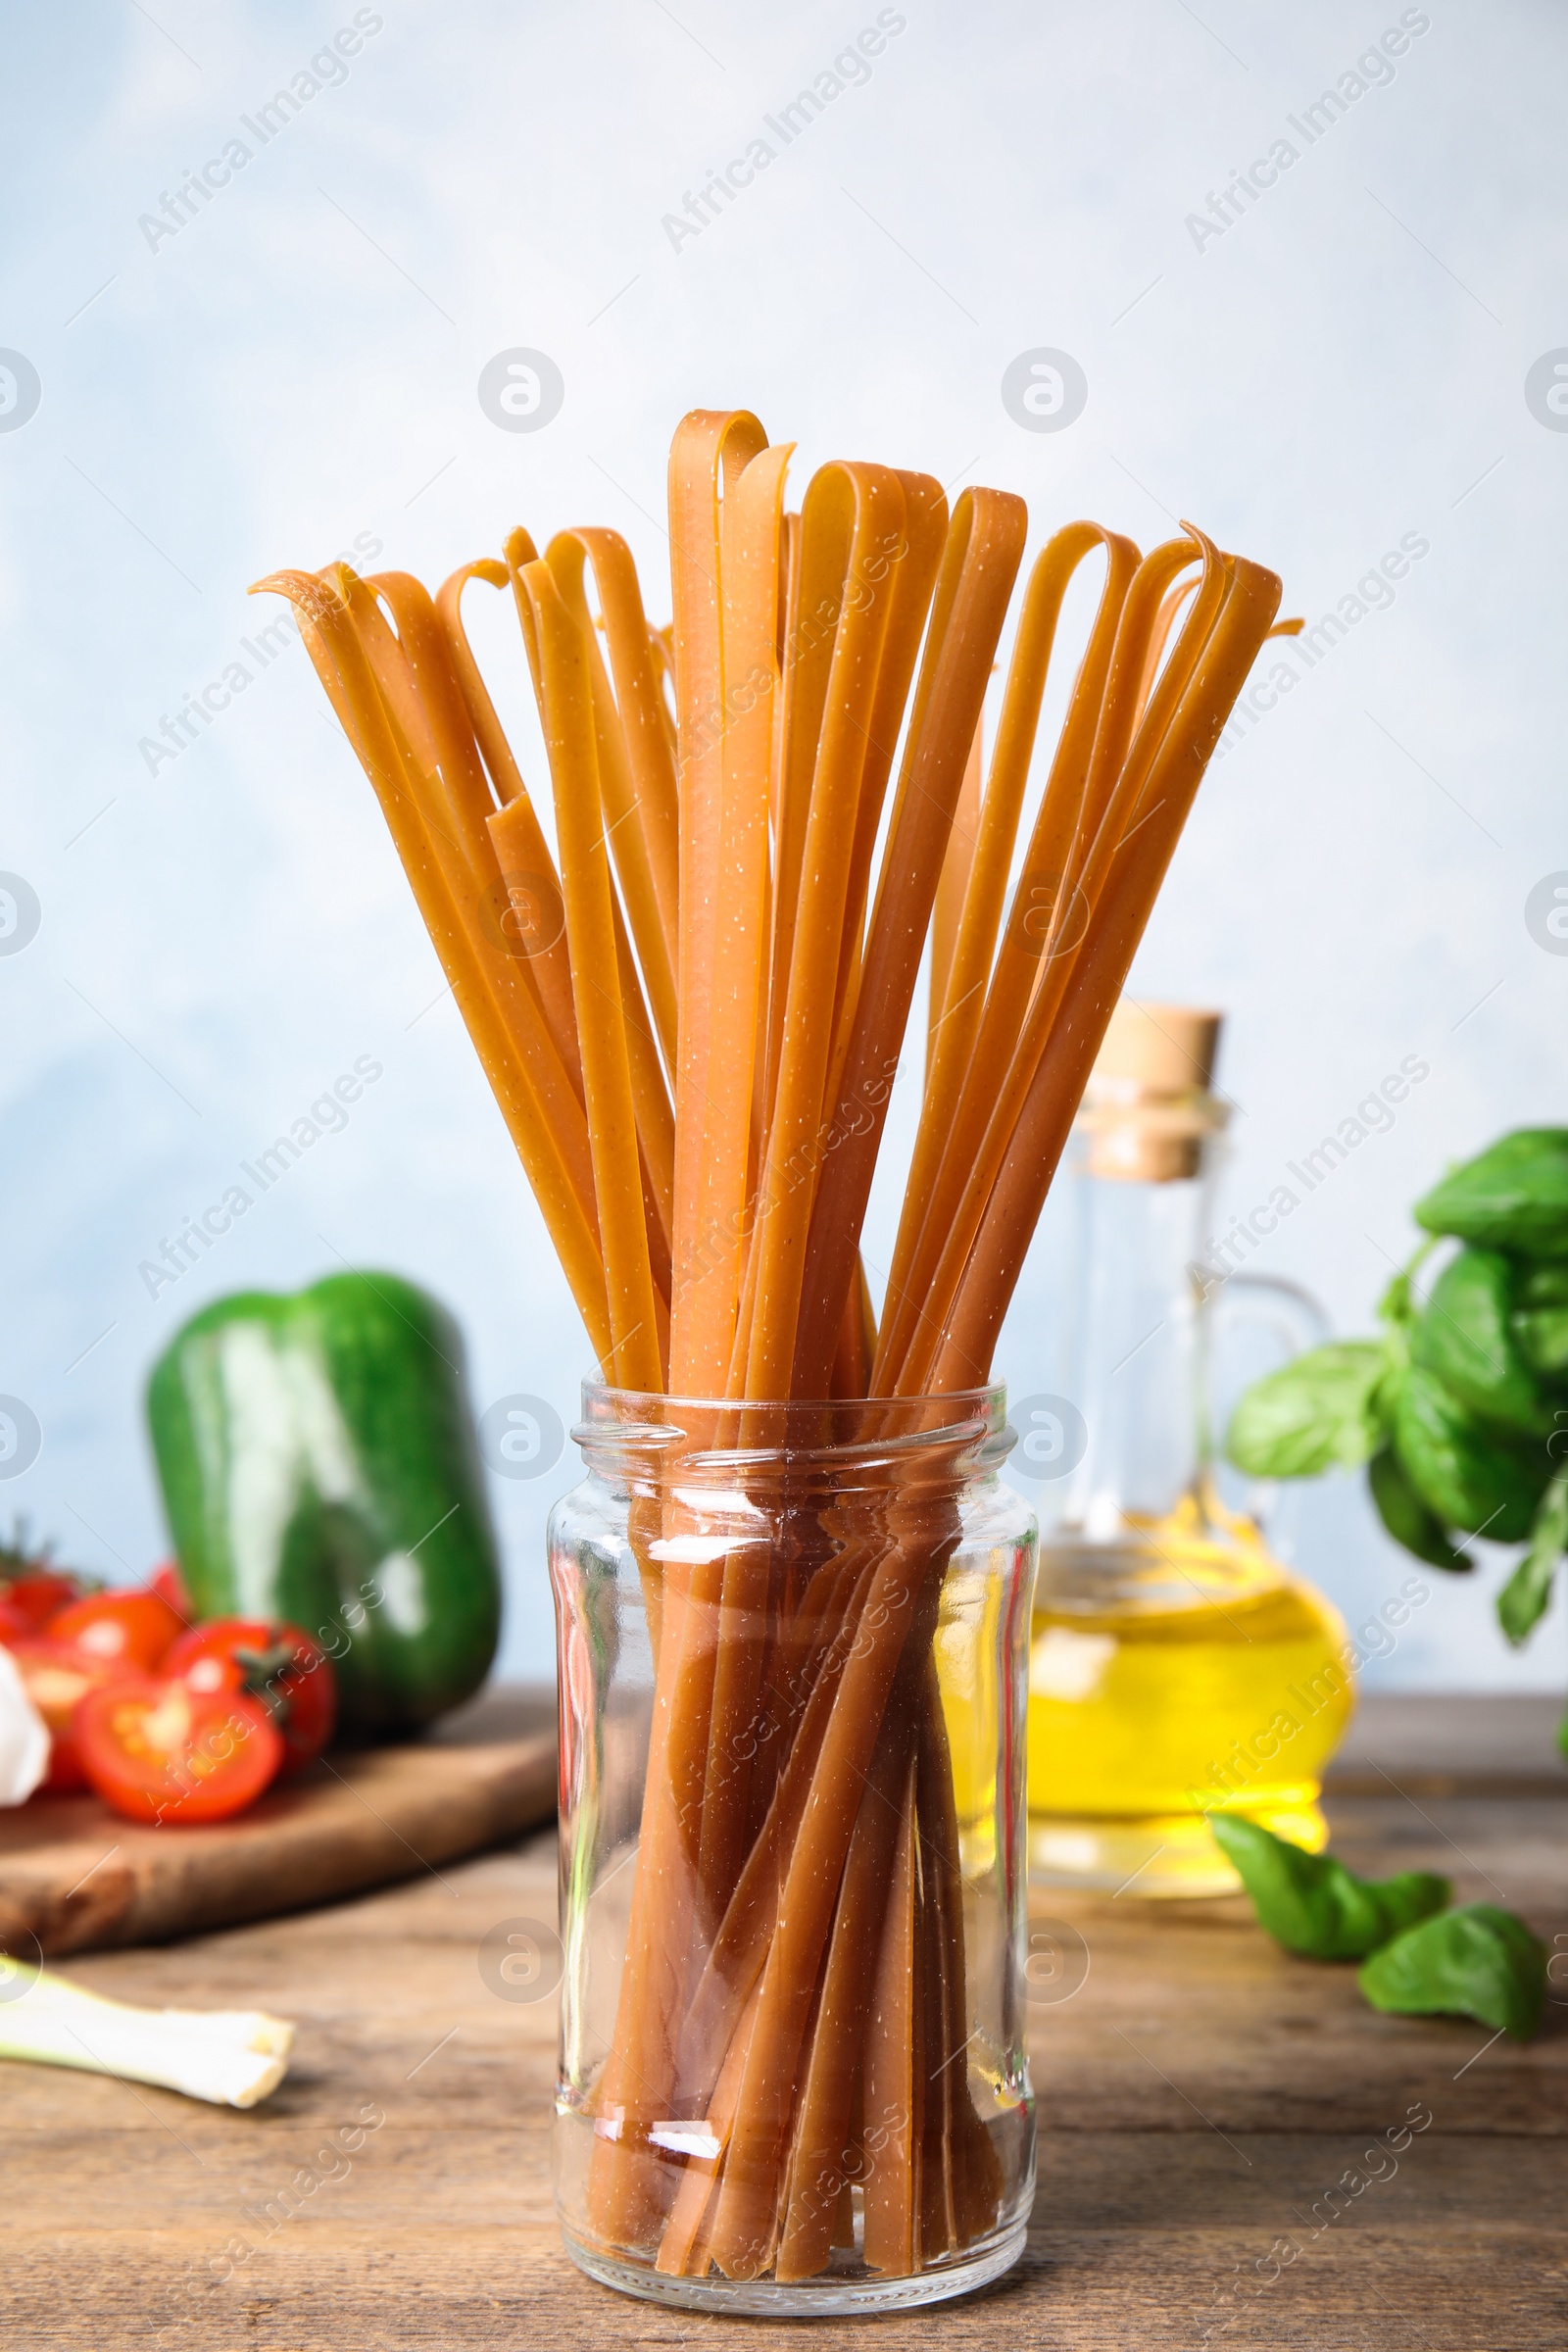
{"x": 1176, "y": 1667}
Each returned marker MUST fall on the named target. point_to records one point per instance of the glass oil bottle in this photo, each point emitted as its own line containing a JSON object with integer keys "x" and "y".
{"x": 1177, "y": 1668}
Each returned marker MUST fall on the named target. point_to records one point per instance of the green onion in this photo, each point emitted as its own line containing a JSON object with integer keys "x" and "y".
{"x": 232, "y": 2057}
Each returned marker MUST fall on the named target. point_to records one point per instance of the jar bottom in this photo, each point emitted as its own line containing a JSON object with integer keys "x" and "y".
{"x": 834, "y": 2294}
{"x": 1155, "y": 1855}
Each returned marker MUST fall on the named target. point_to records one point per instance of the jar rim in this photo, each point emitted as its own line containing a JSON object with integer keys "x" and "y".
{"x": 988, "y": 1392}
{"x": 640, "y": 1425}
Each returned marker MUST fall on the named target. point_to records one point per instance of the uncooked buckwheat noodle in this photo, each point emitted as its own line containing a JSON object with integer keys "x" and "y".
{"x": 691, "y": 1027}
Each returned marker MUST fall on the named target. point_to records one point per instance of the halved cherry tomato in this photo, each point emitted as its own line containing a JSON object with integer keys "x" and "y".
{"x": 130, "y": 1629}
{"x": 168, "y": 1585}
{"x": 39, "y": 1596}
{"x": 58, "y": 1676}
{"x": 159, "y": 1751}
{"x": 286, "y": 1670}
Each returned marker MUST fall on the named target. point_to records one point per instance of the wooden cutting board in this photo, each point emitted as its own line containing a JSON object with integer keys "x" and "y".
{"x": 75, "y": 1877}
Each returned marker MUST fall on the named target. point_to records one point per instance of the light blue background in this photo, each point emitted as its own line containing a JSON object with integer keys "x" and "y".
{"x": 297, "y": 366}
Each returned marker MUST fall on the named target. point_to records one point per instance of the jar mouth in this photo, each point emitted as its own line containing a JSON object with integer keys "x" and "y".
{"x": 638, "y": 1430}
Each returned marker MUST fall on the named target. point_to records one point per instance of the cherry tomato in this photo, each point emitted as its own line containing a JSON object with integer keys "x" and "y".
{"x": 56, "y": 1677}
{"x": 286, "y": 1670}
{"x": 157, "y": 1750}
{"x": 128, "y": 1629}
{"x": 14, "y": 1625}
{"x": 168, "y": 1585}
{"x": 39, "y": 1596}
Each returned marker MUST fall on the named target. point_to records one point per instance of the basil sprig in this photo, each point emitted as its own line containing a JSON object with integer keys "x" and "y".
{"x": 1479, "y": 1962}
{"x": 1459, "y": 1408}
{"x": 1312, "y": 1904}
{"x": 1420, "y": 1958}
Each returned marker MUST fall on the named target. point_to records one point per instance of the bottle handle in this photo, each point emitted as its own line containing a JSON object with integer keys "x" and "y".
{"x": 1299, "y": 1322}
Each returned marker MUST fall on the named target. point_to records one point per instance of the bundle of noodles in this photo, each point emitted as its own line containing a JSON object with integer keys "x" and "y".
{"x": 692, "y": 1024}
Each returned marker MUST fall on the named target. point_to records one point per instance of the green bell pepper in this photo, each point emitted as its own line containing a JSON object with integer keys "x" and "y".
{"x": 318, "y": 1463}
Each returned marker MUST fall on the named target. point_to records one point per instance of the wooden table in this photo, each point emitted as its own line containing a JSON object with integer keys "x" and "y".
{"x": 1199, "y": 2098}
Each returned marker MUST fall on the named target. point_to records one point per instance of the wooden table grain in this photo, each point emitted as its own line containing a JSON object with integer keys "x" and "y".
{"x": 1223, "y": 2155}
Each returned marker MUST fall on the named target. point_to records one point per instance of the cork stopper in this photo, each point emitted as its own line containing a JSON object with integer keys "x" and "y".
{"x": 1147, "y": 1108}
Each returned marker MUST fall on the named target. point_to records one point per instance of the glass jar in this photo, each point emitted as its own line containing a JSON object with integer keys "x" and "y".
{"x": 1177, "y": 1667}
{"x": 793, "y": 1674}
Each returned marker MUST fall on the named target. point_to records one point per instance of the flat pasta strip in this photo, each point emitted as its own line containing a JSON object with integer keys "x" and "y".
{"x": 535, "y": 915}
{"x": 634, "y": 1351}
{"x": 993, "y": 1267}
{"x": 852, "y": 517}
{"x": 634, "y": 770}
{"x": 557, "y": 1185}
{"x": 1004, "y": 1056}
{"x": 985, "y": 547}
{"x": 1049, "y": 854}
{"x": 717, "y": 1019}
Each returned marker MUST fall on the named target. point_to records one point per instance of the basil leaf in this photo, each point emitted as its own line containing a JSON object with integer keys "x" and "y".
{"x": 1478, "y": 1962}
{"x": 1540, "y": 1335}
{"x": 1312, "y": 1904}
{"x": 1472, "y": 1478}
{"x": 1465, "y": 1335}
{"x": 1544, "y": 1285}
{"x": 1397, "y": 1305}
{"x": 1512, "y": 1197}
{"x": 1522, "y": 1603}
{"x": 1540, "y": 1319}
{"x": 1316, "y": 1411}
{"x": 1406, "y": 1517}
